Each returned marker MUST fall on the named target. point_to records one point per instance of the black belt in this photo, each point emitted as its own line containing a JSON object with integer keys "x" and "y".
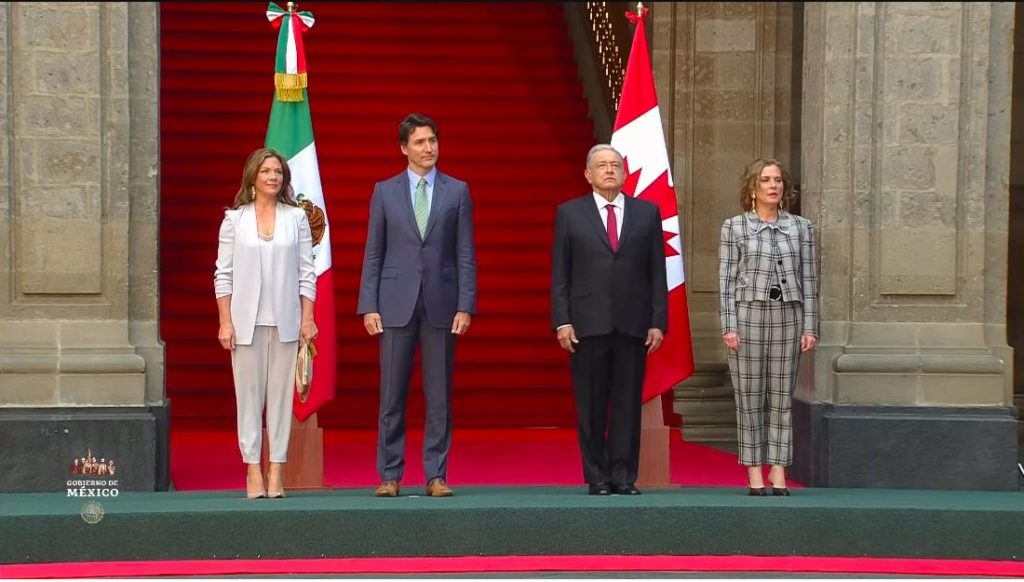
{"x": 775, "y": 293}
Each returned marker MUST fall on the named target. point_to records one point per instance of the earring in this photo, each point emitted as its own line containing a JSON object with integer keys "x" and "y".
{"x": 753, "y": 203}
{"x": 252, "y": 193}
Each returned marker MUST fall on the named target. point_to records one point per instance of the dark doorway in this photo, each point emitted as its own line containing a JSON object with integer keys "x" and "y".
{"x": 1015, "y": 252}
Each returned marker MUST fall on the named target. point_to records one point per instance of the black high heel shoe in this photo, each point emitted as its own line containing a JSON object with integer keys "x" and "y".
{"x": 756, "y": 491}
{"x": 780, "y": 491}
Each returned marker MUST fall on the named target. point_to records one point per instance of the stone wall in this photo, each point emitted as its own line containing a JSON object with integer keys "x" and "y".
{"x": 905, "y": 166}
{"x": 725, "y": 76}
{"x": 900, "y": 146}
{"x": 78, "y": 231}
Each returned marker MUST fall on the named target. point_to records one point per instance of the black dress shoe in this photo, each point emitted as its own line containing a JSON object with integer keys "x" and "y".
{"x": 780, "y": 491}
{"x": 756, "y": 491}
{"x": 599, "y": 489}
{"x": 625, "y": 490}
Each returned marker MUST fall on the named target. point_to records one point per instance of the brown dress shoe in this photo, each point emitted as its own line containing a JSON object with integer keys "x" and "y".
{"x": 437, "y": 488}
{"x": 387, "y": 489}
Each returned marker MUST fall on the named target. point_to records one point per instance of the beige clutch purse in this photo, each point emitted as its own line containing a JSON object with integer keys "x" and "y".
{"x": 304, "y": 369}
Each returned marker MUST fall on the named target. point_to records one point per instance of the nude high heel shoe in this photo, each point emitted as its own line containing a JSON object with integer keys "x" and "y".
{"x": 276, "y": 478}
{"x": 254, "y": 489}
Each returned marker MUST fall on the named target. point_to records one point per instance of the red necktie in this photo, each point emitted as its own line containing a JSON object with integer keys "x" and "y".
{"x": 613, "y": 230}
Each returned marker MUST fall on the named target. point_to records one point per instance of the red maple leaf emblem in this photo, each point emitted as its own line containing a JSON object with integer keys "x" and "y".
{"x": 669, "y": 250}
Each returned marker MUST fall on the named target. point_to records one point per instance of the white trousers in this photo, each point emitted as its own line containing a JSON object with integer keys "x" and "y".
{"x": 264, "y": 374}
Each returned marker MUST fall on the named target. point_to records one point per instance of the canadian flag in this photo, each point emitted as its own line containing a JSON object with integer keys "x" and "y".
{"x": 639, "y": 137}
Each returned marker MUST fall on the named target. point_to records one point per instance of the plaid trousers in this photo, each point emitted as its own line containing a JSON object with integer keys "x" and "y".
{"x": 763, "y": 378}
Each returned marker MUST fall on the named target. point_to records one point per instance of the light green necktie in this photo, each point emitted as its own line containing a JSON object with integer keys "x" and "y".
{"x": 420, "y": 208}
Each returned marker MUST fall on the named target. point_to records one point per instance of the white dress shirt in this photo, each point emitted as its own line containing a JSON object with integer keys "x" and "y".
{"x": 618, "y": 205}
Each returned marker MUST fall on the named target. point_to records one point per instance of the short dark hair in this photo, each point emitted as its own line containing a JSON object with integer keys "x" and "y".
{"x": 411, "y": 122}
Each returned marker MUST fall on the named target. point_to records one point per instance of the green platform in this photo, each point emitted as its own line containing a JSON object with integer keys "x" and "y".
{"x": 48, "y": 527}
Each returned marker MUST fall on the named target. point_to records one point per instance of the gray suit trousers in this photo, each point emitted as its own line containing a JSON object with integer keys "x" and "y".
{"x": 437, "y": 352}
{"x": 764, "y": 374}
{"x": 264, "y": 376}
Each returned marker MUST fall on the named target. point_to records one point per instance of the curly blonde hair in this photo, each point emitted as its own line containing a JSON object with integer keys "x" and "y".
{"x": 752, "y": 173}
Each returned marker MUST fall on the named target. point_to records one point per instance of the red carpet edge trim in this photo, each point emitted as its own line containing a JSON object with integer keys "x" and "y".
{"x": 471, "y": 564}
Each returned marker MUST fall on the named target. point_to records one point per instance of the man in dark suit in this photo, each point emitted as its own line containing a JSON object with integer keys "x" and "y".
{"x": 609, "y": 308}
{"x": 418, "y": 287}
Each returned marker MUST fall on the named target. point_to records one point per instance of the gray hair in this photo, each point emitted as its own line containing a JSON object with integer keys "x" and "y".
{"x": 601, "y": 147}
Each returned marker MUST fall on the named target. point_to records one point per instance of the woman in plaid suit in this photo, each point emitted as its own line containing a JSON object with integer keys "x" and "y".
{"x": 769, "y": 308}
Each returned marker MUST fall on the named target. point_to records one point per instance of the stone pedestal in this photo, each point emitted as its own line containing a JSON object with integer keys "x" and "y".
{"x": 914, "y": 447}
{"x": 42, "y": 444}
{"x": 655, "y": 465}
{"x": 305, "y": 466}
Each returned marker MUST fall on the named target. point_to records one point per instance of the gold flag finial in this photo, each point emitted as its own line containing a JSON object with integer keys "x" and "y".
{"x": 639, "y": 7}
{"x": 291, "y": 7}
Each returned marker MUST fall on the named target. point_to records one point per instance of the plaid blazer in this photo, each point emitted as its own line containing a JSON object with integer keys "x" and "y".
{"x": 751, "y": 250}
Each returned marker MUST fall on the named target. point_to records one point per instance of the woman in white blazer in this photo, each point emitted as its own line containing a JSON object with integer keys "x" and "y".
{"x": 265, "y": 287}
{"x": 769, "y": 307}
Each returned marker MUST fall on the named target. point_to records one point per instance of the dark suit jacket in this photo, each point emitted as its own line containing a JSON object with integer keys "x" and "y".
{"x": 397, "y": 260}
{"x": 599, "y": 291}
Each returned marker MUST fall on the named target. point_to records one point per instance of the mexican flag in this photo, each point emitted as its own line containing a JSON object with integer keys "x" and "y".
{"x": 290, "y": 132}
{"x": 639, "y": 136}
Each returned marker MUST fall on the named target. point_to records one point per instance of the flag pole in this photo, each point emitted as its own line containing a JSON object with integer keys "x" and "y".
{"x": 655, "y": 448}
{"x": 668, "y": 409}
{"x": 288, "y": 132}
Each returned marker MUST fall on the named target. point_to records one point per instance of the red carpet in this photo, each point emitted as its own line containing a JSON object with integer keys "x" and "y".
{"x": 208, "y": 460}
{"x": 520, "y": 564}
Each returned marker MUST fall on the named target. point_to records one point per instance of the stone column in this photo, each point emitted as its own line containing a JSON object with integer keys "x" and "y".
{"x": 1015, "y": 262}
{"x": 81, "y": 364}
{"x": 723, "y": 74}
{"x": 905, "y": 140}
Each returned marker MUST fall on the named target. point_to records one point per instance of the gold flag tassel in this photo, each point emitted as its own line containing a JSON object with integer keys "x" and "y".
{"x": 289, "y": 86}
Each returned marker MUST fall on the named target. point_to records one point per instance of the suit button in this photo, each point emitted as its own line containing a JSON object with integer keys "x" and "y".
{"x": 780, "y": 261}
{"x": 783, "y": 280}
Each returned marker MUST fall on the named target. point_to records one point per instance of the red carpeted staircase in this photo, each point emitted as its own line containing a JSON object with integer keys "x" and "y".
{"x": 501, "y": 81}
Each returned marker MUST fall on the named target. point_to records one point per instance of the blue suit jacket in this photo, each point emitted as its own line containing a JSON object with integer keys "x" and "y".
{"x": 397, "y": 260}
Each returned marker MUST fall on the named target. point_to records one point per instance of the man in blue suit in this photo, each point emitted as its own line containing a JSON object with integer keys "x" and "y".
{"x": 418, "y": 287}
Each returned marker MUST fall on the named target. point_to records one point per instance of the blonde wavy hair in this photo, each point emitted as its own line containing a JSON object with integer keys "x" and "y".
{"x": 752, "y": 173}
{"x": 252, "y": 168}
